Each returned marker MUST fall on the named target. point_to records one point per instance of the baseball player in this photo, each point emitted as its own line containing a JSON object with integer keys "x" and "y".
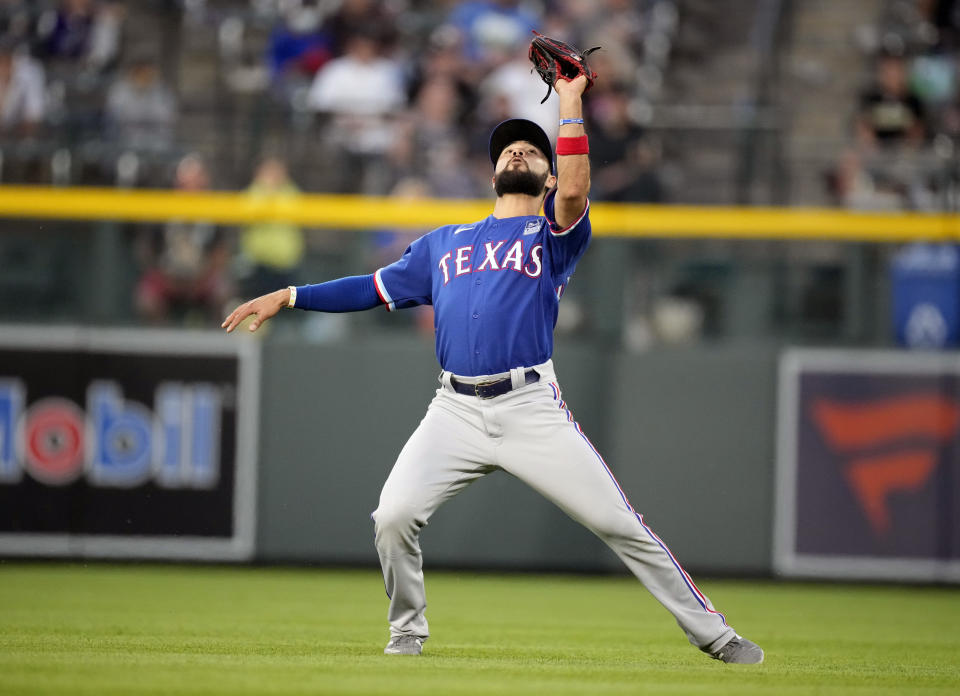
{"x": 495, "y": 285}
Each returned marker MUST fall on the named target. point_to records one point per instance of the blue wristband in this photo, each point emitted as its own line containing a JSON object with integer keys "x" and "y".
{"x": 565, "y": 121}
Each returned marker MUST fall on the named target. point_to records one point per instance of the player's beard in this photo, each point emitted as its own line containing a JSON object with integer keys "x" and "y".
{"x": 521, "y": 181}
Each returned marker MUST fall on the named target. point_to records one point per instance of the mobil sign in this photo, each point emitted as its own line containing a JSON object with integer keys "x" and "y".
{"x": 126, "y": 443}
{"x": 115, "y": 442}
{"x": 868, "y": 479}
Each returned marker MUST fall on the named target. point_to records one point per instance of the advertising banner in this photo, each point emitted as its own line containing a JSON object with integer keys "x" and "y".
{"x": 127, "y": 443}
{"x": 868, "y": 475}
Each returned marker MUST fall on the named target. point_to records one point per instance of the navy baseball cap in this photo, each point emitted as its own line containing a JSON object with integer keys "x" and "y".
{"x": 515, "y": 129}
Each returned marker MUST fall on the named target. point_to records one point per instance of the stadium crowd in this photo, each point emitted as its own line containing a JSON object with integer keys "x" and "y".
{"x": 389, "y": 89}
{"x": 395, "y": 97}
{"x": 907, "y": 119}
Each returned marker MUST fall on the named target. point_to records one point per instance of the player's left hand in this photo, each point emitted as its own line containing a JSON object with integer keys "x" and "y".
{"x": 262, "y": 308}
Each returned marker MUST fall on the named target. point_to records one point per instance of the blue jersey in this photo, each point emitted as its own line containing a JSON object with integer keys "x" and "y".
{"x": 495, "y": 286}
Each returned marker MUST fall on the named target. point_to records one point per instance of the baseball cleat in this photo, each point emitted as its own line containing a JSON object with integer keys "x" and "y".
{"x": 739, "y": 650}
{"x": 404, "y": 645}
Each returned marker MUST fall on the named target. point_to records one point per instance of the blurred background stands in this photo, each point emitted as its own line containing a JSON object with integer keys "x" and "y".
{"x": 698, "y": 103}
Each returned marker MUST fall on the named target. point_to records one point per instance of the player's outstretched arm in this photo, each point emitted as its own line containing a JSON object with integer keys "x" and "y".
{"x": 262, "y": 307}
{"x": 573, "y": 170}
{"x": 352, "y": 294}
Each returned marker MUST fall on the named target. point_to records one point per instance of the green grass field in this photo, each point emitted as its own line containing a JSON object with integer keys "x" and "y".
{"x": 102, "y": 629}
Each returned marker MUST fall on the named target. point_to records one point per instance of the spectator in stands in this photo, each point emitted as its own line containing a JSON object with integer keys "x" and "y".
{"x": 297, "y": 49}
{"x": 361, "y": 94}
{"x": 185, "y": 263}
{"x": 430, "y": 146}
{"x": 617, "y": 26}
{"x": 491, "y": 29}
{"x": 514, "y": 91}
{"x": 620, "y": 21}
{"x": 17, "y": 20}
{"x": 21, "y": 91}
{"x": 270, "y": 251}
{"x": 945, "y": 16}
{"x": 623, "y": 164}
{"x": 83, "y": 31}
{"x": 141, "y": 110}
{"x": 442, "y": 59}
{"x": 851, "y": 185}
{"x": 359, "y": 16}
{"x": 890, "y": 113}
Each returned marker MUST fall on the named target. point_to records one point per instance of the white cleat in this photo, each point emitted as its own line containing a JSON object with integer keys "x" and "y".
{"x": 739, "y": 651}
{"x": 404, "y": 645}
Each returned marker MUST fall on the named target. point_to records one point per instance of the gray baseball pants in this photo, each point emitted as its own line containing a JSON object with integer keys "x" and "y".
{"x": 527, "y": 432}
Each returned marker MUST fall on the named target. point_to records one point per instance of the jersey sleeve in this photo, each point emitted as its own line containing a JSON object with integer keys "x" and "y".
{"x": 567, "y": 244}
{"x": 408, "y": 281}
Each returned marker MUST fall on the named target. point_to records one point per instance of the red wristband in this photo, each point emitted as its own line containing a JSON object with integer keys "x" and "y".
{"x": 573, "y": 146}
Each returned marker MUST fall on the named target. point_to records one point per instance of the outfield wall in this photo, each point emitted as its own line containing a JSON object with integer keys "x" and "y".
{"x": 748, "y": 459}
{"x": 689, "y": 434}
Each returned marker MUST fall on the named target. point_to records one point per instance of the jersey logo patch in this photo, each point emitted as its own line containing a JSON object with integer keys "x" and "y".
{"x": 463, "y": 228}
{"x": 532, "y": 227}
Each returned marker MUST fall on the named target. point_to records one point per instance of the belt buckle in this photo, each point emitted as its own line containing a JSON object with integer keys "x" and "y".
{"x": 476, "y": 388}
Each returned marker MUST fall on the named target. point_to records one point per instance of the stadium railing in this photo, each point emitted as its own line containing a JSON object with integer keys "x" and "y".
{"x": 793, "y": 274}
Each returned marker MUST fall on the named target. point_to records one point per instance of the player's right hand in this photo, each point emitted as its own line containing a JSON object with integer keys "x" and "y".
{"x": 262, "y": 308}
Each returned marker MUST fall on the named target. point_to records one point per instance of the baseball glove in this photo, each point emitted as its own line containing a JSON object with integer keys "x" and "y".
{"x": 554, "y": 59}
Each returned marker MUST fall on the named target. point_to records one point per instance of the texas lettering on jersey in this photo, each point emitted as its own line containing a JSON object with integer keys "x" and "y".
{"x": 458, "y": 262}
{"x": 495, "y": 286}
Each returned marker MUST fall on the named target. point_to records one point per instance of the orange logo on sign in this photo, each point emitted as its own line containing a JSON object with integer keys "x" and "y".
{"x": 906, "y": 423}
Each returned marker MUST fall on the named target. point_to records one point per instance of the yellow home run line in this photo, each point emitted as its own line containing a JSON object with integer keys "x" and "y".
{"x": 364, "y": 212}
